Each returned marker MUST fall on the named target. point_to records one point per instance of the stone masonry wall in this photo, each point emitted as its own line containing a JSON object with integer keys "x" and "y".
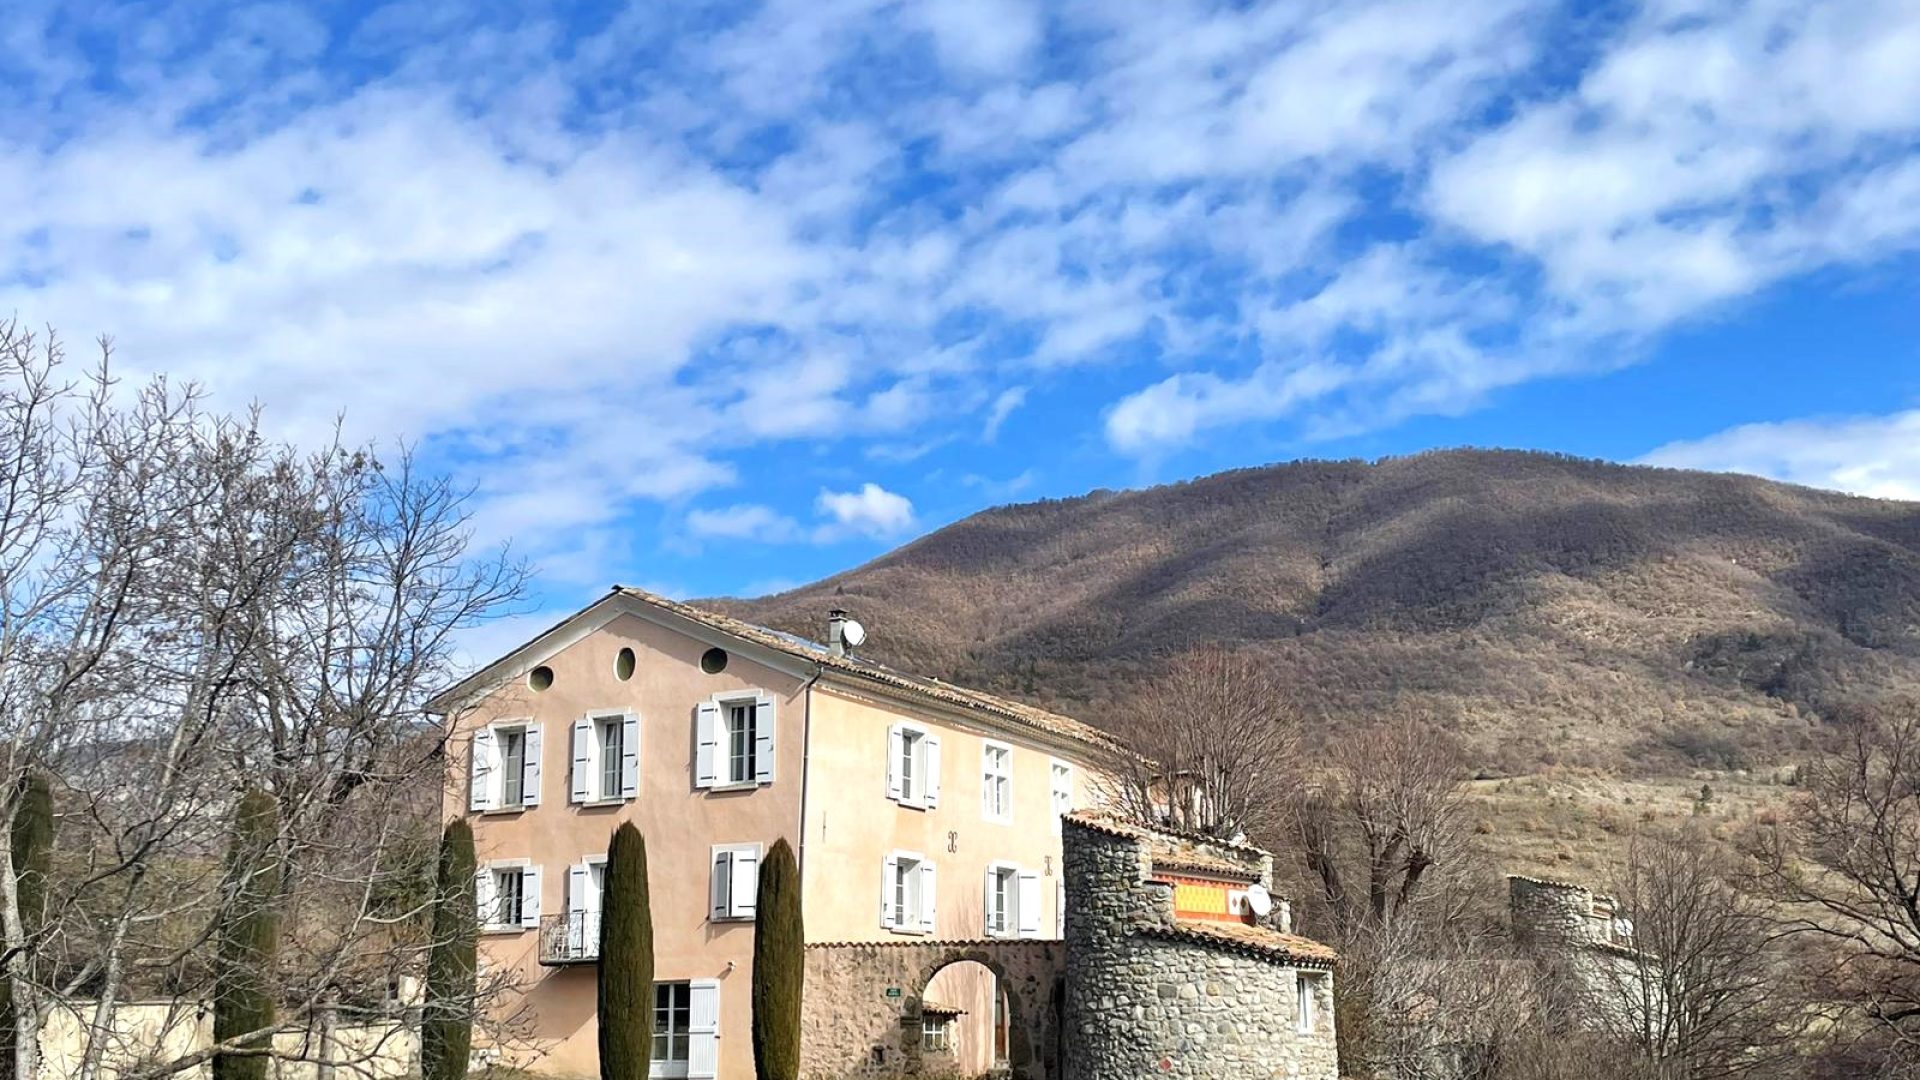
{"x": 1140, "y": 1006}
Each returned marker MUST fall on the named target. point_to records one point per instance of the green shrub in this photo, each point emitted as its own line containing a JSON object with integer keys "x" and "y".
{"x": 779, "y": 966}
{"x": 248, "y": 938}
{"x": 446, "y": 1029}
{"x": 626, "y": 961}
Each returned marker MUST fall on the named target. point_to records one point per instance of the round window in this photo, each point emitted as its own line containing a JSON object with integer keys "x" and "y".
{"x": 623, "y": 665}
{"x": 713, "y": 661}
{"x": 540, "y": 678}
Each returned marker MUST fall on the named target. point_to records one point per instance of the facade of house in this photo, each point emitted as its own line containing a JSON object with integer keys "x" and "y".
{"x": 919, "y": 812}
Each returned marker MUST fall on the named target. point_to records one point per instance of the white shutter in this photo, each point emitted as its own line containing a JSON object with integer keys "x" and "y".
{"x": 582, "y": 790}
{"x": 896, "y": 745}
{"x": 746, "y": 884}
{"x": 530, "y": 897}
{"x": 703, "y": 1030}
{"x": 927, "y": 892}
{"x": 930, "y": 769}
{"x": 579, "y": 880}
{"x": 888, "y": 867}
{"x": 629, "y": 756}
{"x": 480, "y": 771}
{"x": 530, "y": 776}
{"x": 706, "y": 743}
{"x": 763, "y": 728}
{"x": 986, "y": 901}
{"x": 483, "y": 896}
{"x": 718, "y": 884}
{"x": 1026, "y": 905}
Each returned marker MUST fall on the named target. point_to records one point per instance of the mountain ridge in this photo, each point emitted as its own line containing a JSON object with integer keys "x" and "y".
{"x": 1554, "y": 610}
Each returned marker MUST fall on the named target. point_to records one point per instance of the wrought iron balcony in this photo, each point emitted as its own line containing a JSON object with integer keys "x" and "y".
{"x": 573, "y": 938}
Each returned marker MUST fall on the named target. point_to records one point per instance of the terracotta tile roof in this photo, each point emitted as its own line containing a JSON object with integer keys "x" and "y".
{"x": 1102, "y": 821}
{"x": 1174, "y": 860}
{"x": 935, "y": 1008}
{"x": 854, "y": 667}
{"x": 1258, "y": 941}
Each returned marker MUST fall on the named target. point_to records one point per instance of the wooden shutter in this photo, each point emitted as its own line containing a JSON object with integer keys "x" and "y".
{"x": 888, "y": 868}
{"x": 483, "y": 896}
{"x": 1026, "y": 906}
{"x": 530, "y": 775}
{"x": 706, "y": 743}
{"x": 896, "y": 746}
{"x": 719, "y": 884}
{"x": 746, "y": 884}
{"x": 629, "y": 756}
{"x": 927, "y": 893}
{"x": 703, "y": 1029}
{"x": 582, "y": 787}
{"x": 530, "y": 898}
{"x": 986, "y": 900}
{"x": 481, "y": 770}
{"x": 930, "y": 770}
{"x": 763, "y": 730}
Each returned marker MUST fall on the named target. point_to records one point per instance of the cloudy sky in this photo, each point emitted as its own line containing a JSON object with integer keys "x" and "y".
{"x": 717, "y": 297}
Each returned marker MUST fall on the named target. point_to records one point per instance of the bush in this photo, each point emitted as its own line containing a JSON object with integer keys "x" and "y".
{"x": 446, "y": 1028}
{"x": 779, "y": 966}
{"x": 626, "y": 961}
{"x": 249, "y": 938}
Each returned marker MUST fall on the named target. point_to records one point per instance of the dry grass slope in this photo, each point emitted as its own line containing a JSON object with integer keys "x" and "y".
{"x": 1556, "y": 611}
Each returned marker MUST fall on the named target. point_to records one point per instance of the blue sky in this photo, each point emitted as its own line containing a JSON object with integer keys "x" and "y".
{"x": 714, "y": 298}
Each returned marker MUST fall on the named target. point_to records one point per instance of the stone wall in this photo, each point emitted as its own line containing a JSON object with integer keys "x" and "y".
{"x": 1150, "y": 996}
{"x": 862, "y": 1008}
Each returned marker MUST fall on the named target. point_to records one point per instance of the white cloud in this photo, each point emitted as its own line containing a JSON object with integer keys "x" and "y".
{"x": 1003, "y": 406}
{"x": 743, "y": 521}
{"x": 1878, "y": 456}
{"x": 870, "y": 511}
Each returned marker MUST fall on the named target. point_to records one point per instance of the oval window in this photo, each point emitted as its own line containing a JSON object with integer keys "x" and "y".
{"x": 713, "y": 661}
{"x": 623, "y": 665}
{"x": 540, "y": 678}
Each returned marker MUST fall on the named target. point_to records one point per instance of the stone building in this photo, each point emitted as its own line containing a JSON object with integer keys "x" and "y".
{"x": 1170, "y": 973}
{"x": 1585, "y": 941}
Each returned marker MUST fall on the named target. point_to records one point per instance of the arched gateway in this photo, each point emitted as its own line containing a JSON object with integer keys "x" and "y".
{"x": 864, "y": 1005}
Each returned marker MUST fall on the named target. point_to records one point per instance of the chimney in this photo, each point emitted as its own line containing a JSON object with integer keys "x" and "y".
{"x": 837, "y": 632}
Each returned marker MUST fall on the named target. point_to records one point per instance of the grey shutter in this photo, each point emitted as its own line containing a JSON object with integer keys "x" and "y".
{"x": 719, "y": 885}
{"x": 763, "y": 730}
{"x": 706, "y": 741}
{"x": 630, "y": 756}
{"x": 530, "y": 776}
{"x": 582, "y": 789}
{"x": 480, "y": 771}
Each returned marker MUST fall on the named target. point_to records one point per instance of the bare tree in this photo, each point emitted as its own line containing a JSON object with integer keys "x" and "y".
{"x": 1380, "y": 826}
{"x": 1846, "y": 861}
{"x": 1701, "y": 989}
{"x": 188, "y": 609}
{"x": 1214, "y": 740}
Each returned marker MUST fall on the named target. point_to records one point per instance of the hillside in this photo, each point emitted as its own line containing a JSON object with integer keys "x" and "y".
{"x": 1557, "y": 611}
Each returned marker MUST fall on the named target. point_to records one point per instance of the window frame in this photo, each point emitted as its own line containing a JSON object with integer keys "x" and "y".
{"x": 1002, "y": 884}
{"x": 994, "y": 782}
{"x": 671, "y": 1066}
{"x": 522, "y": 870}
{"x": 734, "y": 914}
{"x": 1306, "y": 1002}
{"x": 906, "y": 893}
{"x": 758, "y": 773}
{"x": 1055, "y": 767}
{"x": 608, "y": 767}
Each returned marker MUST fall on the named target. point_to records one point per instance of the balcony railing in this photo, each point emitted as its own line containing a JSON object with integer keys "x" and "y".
{"x": 573, "y": 938}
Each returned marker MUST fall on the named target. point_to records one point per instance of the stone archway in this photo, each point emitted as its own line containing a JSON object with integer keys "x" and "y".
{"x": 863, "y": 1005}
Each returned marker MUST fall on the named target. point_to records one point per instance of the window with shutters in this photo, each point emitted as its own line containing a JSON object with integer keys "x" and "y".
{"x": 733, "y": 741}
{"x": 606, "y": 757}
{"x": 907, "y": 893}
{"x": 913, "y": 767}
{"x": 734, "y": 886}
{"x": 506, "y": 767}
{"x": 508, "y": 901}
{"x": 996, "y": 791}
{"x": 1003, "y": 892}
{"x": 507, "y": 895}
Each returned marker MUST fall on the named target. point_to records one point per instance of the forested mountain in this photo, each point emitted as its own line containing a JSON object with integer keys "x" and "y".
{"x": 1552, "y": 609}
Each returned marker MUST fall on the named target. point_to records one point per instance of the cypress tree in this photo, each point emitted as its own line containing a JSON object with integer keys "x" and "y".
{"x": 446, "y": 1029}
{"x": 248, "y": 937}
{"x": 32, "y": 859}
{"x": 779, "y": 966}
{"x": 626, "y": 960}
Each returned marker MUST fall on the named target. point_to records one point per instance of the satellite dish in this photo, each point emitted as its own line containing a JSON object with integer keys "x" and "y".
{"x": 853, "y": 634}
{"x": 1259, "y": 901}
